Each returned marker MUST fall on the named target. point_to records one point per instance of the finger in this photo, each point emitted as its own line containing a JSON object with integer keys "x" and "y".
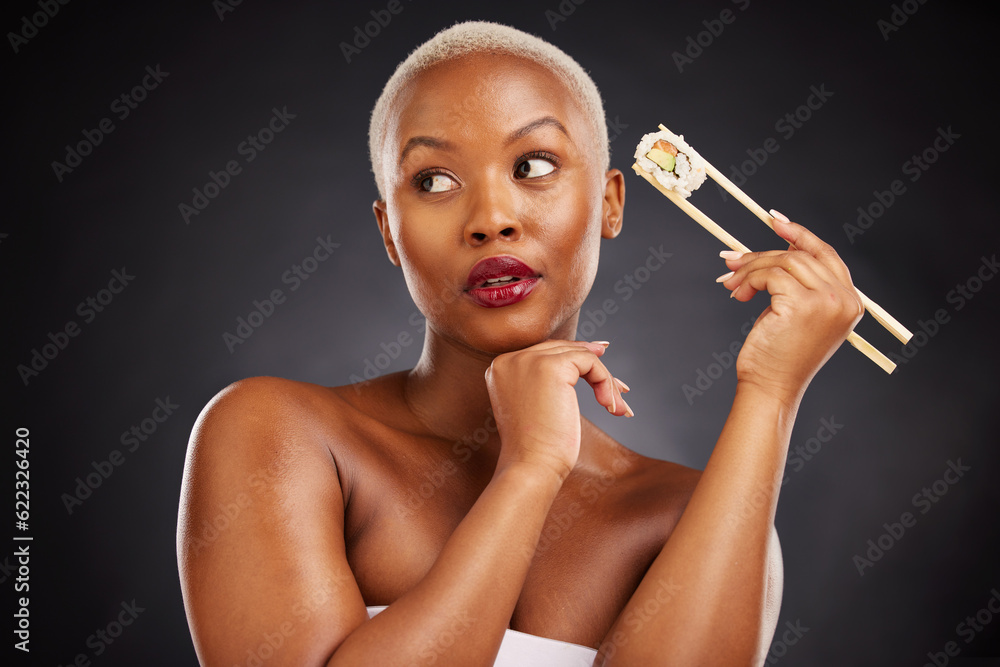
{"x": 798, "y": 266}
{"x": 597, "y": 346}
{"x": 815, "y": 275}
{"x": 803, "y": 239}
{"x": 607, "y": 388}
{"x": 736, "y": 260}
{"x": 771, "y": 276}
{"x": 740, "y": 263}
{"x": 810, "y": 271}
{"x": 799, "y": 238}
{"x": 558, "y": 346}
{"x": 584, "y": 364}
{"x": 801, "y": 266}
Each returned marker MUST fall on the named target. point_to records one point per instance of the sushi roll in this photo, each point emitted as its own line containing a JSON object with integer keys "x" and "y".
{"x": 675, "y": 165}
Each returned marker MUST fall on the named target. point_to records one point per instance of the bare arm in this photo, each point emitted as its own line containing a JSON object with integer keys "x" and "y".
{"x": 712, "y": 594}
{"x": 260, "y": 533}
{"x": 273, "y": 578}
{"x": 458, "y": 613}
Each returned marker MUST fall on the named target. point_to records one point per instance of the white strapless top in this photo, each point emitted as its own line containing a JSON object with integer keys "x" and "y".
{"x": 520, "y": 649}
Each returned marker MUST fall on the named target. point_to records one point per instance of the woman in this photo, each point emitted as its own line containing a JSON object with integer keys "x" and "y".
{"x": 490, "y": 153}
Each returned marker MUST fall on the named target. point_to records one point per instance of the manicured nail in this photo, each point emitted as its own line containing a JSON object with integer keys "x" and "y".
{"x": 624, "y": 387}
{"x": 724, "y": 277}
{"x": 730, "y": 254}
{"x": 777, "y": 215}
{"x": 614, "y": 406}
{"x": 733, "y": 293}
{"x": 628, "y": 410}
{"x": 605, "y": 343}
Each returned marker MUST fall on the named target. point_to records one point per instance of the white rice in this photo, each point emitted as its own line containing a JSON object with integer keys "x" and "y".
{"x": 689, "y": 172}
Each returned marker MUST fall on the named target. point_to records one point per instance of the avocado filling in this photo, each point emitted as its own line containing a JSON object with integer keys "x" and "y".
{"x": 664, "y": 160}
{"x": 664, "y": 154}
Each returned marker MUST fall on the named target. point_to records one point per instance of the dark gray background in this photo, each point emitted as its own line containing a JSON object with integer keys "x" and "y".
{"x": 162, "y": 336}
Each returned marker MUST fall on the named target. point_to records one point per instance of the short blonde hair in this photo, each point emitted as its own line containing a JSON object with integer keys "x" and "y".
{"x": 474, "y": 37}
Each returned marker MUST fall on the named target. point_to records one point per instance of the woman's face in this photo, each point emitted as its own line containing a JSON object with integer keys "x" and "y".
{"x": 495, "y": 202}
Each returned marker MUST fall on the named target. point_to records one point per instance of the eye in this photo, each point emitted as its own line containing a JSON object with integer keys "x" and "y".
{"x": 534, "y": 167}
{"x": 436, "y": 183}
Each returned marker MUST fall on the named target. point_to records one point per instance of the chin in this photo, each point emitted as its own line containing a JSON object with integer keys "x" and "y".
{"x": 515, "y": 334}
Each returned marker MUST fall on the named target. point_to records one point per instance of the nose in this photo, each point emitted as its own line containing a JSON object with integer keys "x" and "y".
{"x": 492, "y": 217}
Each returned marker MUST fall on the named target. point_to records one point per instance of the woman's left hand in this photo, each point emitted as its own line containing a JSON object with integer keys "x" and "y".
{"x": 813, "y": 308}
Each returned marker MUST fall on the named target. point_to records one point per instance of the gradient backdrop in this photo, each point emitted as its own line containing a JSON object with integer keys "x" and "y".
{"x": 868, "y": 86}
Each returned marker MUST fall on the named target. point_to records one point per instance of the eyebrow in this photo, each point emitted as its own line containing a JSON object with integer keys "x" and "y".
{"x": 430, "y": 142}
{"x": 441, "y": 144}
{"x": 545, "y": 121}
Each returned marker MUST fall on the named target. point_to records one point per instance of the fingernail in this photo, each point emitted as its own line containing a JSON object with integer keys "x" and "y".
{"x": 730, "y": 254}
{"x": 733, "y": 293}
{"x": 605, "y": 343}
{"x": 614, "y": 406}
{"x": 624, "y": 387}
{"x": 628, "y": 410}
{"x": 778, "y": 215}
{"x": 724, "y": 277}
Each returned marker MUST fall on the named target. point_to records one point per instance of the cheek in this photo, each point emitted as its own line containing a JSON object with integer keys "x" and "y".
{"x": 420, "y": 250}
{"x": 584, "y": 268}
{"x": 577, "y": 234}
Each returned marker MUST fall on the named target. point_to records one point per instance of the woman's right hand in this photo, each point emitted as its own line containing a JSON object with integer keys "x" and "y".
{"x": 534, "y": 401}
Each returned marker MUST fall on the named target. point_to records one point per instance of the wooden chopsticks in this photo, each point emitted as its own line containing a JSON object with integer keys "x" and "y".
{"x": 879, "y": 313}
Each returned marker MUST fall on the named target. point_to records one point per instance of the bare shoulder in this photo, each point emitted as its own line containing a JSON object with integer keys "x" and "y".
{"x": 270, "y": 420}
{"x": 261, "y": 517}
{"x": 661, "y": 487}
{"x": 247, "y": 435}
{"x": 260, "y": 403}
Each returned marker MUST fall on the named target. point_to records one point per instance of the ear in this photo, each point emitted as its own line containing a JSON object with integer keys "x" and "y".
{"x": 614, "y": 204}
{"x": 382, "y": 218}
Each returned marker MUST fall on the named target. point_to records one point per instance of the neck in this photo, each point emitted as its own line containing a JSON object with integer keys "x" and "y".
{"x": 446, "y": 390}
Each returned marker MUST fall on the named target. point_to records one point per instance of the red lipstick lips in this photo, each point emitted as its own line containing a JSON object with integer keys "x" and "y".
{"x": 500, "y": 281}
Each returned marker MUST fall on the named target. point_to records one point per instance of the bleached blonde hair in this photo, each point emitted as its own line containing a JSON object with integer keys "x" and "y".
{"x": 475, "y": 37}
